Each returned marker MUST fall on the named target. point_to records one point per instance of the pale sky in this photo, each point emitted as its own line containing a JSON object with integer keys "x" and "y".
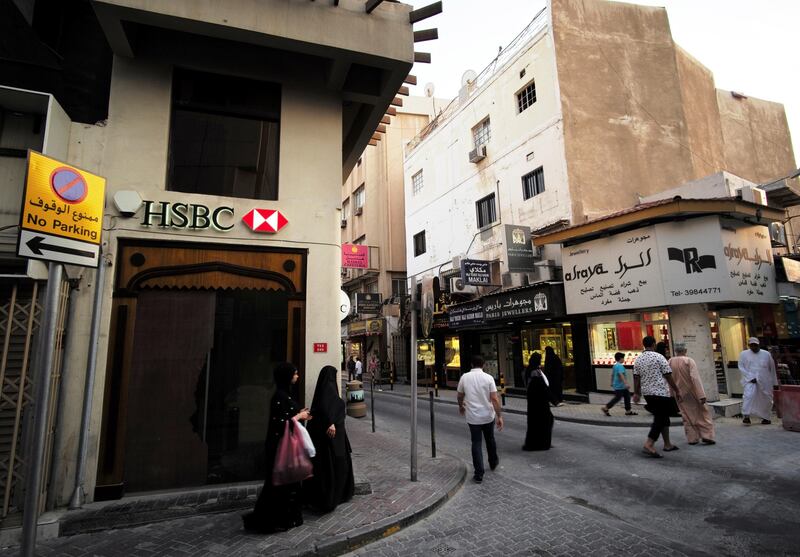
{"x": 750, "y": 46}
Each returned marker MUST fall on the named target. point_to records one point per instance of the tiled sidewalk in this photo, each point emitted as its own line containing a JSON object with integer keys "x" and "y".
{"x": 379, "y": 458}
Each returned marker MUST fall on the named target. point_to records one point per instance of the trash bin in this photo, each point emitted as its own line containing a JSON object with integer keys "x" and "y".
{"x": 356, "y": 407}
{"x": 789, "y": 401}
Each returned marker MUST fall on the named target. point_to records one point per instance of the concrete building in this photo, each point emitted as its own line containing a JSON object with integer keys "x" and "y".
{"x": 196, "y": 114}
{"x": 592, "y": 108}
{"x": 373, "y": 215}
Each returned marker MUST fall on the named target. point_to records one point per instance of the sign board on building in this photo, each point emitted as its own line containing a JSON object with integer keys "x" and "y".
{"x": 368, "y": 327}
{"x": 265, "y": 220}
{"x": 428, "y": 305}
{"x": 464, "y": 315}
{"x": 368, "y": 302}
{"x": 320, "y": 347}
{"x": 519, "y": 250}
{"x": 792, "y": 269}
{"x": 537, "y": 301}
{"x": 475, "y": 272}
{"x": 62, "y": 213}
{"x": 344, "y": 305}
{"x": 693, "y": 261}
{"x": 355, "y": 256}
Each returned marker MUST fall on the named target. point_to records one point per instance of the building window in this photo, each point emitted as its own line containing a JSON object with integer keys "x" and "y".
{"x": 533, "y": 183}
{"x": 419, "y": 243}
{"x": 416, "y": 183}
{"x": 224, "y": 136}
{"x": 399, "y": 287}
{"x": 345, "y": 211}
{"x": 486, "y": 211}
{"x": 526, "y": 97}
{"x": 372, "y": 287}
{"x": 481, "y": 133}
{"x": 358, "y": 199}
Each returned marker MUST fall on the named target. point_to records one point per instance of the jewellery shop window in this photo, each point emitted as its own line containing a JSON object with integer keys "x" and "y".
{"x": 452, "y": 357}
{"x": 609, "y": 334}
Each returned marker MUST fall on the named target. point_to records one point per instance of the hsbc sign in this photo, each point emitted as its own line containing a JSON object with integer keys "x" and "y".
{"x": 265, "y": 220}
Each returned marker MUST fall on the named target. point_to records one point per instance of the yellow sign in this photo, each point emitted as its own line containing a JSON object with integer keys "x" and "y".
{"x": 62, "y": 200}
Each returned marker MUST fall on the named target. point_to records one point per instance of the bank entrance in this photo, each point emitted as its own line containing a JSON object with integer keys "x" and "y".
{"x": 195, "y": 333}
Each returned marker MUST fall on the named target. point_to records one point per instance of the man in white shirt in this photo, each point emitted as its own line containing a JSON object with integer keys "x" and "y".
{"x": 758, "y": 377}
{"x": 478, "y": 401}
{"x": 359, "y": 368}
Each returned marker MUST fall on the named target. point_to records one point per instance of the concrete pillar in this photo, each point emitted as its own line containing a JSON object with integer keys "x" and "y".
{"x": 690, "y": 325}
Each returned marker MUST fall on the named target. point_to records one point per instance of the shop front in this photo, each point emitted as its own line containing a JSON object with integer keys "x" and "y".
{"x": 699, "y": 282}
{"x": 507, "y": 328}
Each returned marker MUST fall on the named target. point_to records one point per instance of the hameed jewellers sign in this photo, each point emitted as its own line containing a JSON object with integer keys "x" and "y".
{"x": 195, "y": 216}
{"x": 699, "y": 260}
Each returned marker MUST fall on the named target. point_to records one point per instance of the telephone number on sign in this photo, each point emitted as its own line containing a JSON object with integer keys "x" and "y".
{"x": 696, "y": 291}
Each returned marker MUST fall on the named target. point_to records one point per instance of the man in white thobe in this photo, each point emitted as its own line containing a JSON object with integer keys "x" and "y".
{"x": 758, "y": 377}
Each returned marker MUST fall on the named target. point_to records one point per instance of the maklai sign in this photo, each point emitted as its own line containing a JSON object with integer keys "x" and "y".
{"x": 61, "y": 219}
{"x": 475, "y": 272}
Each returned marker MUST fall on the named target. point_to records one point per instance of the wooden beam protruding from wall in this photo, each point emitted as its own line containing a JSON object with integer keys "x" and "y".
{"x": 397, "y": 101}
{"x": 376, "y": 137}
{"x": 403, "y": 91}
{"x": 424, "y": 57}
{"x": 373, "y": 142}
{"x": 410, "y": 79}
{"x": 386, "y": 120}
{"x": 425, "y": 12}
{"x": 380, "y": 129}
{"x": 391, "y": 111}
{"x": 426, "y": 35}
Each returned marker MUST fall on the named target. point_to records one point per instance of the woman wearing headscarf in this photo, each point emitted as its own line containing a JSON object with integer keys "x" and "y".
{"x": 554, "y": 371}
{"x": 540, "y": 419}
{"x": 278, "y": 508}
{"x": 333, "y": 467}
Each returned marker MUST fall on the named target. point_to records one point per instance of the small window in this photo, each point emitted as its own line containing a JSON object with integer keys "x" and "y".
{"x": 416, "y": 183}
{"x": 358, "y": 198}
{"x": 533, "y": 183}
{"x": 372, "y": 287}
{"x": 399, "y": 287}
{"x": 345, "y": 210}
{"x": 419, "y": 243}
{"x": 481, "y": 133}
{"x": 526, "y": 97}
{"x": 486, "y": 211}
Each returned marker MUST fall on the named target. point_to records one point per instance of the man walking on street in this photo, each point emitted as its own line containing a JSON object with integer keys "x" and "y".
{"x": 359, "y": 368}
{"x": 478, "y": 401}
{"x": 351, "y": 368}
{"x": 758, "y": 378}
{"x": 652, "y": 377}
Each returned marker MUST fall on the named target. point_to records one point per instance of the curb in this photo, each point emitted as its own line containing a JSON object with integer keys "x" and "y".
{"x": 364, "y": 535}
{"x": 585, "y": 421}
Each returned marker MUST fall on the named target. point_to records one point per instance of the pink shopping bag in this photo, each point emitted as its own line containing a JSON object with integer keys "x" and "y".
{"x": 292, "y": 464}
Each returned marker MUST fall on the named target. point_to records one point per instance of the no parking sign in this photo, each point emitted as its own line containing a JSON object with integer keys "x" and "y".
{"x": 62, "y": 212}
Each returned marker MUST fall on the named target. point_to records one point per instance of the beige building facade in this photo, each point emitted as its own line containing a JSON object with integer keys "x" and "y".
{"x": 213, "y": 111}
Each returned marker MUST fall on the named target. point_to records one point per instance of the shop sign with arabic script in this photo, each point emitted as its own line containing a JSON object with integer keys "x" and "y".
{"x": 529, "y": 302}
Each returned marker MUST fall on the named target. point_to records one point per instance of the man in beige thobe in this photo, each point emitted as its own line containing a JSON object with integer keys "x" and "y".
{"x": 697, "y": 419}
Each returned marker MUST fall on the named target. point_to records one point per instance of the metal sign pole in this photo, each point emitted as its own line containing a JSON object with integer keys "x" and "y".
{"x": 412, "y": 281}
{"x": 78, "y": 496}
{"x": 45, "y": 358}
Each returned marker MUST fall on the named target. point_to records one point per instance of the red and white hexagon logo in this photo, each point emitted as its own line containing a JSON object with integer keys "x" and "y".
{"x": 265, "y": 220}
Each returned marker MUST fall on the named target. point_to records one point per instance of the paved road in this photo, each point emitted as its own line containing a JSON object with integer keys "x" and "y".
{"x": 739, "y": 497}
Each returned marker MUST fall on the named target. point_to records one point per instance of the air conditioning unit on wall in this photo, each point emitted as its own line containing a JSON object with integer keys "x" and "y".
{"x": 543, "y": 271}
{"x": 477, "y": 154}
{"x": 754, "y": 195}
{"x": 359, "y": 210}
{"x": 457, "y": 286}
{"x": 344, "y": 223}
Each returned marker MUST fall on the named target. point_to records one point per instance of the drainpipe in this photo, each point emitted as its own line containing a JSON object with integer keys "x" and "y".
{"x": 78, "y": 496}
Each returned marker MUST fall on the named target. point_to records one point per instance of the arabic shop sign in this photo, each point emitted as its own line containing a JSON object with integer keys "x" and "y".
{"x": 355, "y": 256}
{"x": 534, "y": 302}
{"x": 464, "y": 315}
{"x": 519, "y": 250}
{"x": 475, "y": 272}
{"x": 670, "y": 263}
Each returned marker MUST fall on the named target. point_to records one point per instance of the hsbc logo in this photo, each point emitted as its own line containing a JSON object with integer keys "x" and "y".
{"x": 265, "y": 220}
{"x": 694, "y": 262}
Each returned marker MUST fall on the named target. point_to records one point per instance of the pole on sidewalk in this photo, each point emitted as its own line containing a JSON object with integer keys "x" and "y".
{"x": 78, "y": 496}
{"x": 372, "y": 400}
{"x": 412, "y": 284}
{"x": 433, "y": 431}
{"x": 44, "y": 361}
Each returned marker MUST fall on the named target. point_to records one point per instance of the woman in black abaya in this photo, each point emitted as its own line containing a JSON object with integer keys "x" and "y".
{"x": 554, "y": 371}
{"x": 278, "y": 508}
{"x": 333, "y": 467}
{"x": 540, "y": 419}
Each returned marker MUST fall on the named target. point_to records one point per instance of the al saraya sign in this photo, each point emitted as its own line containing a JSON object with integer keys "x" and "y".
{"x": 699, "y": 260}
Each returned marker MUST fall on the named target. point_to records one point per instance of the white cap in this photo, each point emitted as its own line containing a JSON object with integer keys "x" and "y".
{"x": 752, "y": 340}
